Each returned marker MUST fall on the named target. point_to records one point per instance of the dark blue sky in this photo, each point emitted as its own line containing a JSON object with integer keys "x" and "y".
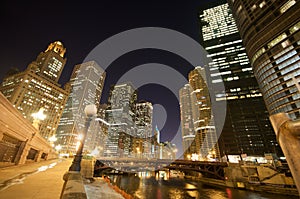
{"x": 27, "y": 27}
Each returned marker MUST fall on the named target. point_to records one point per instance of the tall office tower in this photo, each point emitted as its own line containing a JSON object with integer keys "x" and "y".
{"x": 206, "y": 139}
{"x": 103, "y": 129}
{"x": 86, "y": 83}
{"x": 271, "y": 34}
{"x": 187, "y": 124}
{"x": 143, "y": 126}
{"x": 50, "y": 63}
{"x": 37, "y": 88}
{"x": 121, "y": 118}
{"x": 247, "y": 128}
{"x": 143, "y": 119}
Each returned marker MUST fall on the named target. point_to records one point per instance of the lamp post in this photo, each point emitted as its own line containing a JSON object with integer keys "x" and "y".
{"x": 38, "y": 117}
{"x": 90, "y": 111}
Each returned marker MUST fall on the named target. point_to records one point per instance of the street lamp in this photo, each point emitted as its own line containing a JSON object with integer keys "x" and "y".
{"x": 90, "y": 111}
{"x": 37, "y": 117}
{"x": 52, "y": 139}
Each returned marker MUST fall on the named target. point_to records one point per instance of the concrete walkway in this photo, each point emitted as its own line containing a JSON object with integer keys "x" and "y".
{"x": 41, "y": 180}
{"x": 99, "y": 189}
{"x": 44, "y": 180}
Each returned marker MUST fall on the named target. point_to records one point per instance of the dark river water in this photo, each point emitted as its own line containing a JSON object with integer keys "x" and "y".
{"x": 150, "y": 188}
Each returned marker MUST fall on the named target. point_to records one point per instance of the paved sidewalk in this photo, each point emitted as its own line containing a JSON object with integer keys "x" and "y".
{"x": 44, "y": 180}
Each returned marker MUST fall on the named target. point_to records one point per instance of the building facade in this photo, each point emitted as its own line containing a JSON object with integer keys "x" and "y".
{"x": 247, "y": 129}
{"x": 270, "y": 32}
{"x": 86, "y": 84}
{"x": 37, "y": 87}
{"x": 143, "y": 126}
{"x": 206, "y": 140}
{"x": 120, "y": 116}
{"x": 187, "y": 124}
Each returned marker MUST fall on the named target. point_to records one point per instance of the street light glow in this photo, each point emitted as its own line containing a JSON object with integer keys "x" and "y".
{"x": 39, "y": 115}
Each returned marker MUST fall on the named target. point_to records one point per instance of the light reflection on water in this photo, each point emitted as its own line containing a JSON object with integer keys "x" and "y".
{"x": 150, "y": 188}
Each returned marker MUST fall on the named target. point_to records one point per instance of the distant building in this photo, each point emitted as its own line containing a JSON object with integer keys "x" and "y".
{"x": 37, "y": 87}
{"x": 86, "y": 84}
{"x": 143, "y": 126}
{"x": 120, "y": 116}
{"x": 247, "y": 129}
{"x": 271, "y": 34}
{"x": 102, "y": 130}
{"x": 166, "y": 150}
{"x": 206, "y": 140}
{"x": 187, "y": 124}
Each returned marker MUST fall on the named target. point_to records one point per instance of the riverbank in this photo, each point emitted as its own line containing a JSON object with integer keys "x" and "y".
{"x": 268, "y": 188}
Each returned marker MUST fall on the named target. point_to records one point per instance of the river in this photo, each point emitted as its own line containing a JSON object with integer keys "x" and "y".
{"x": 150, "y": 188}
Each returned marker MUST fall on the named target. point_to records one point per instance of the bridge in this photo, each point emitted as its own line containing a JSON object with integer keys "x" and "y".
{"x": 133, "y": 165}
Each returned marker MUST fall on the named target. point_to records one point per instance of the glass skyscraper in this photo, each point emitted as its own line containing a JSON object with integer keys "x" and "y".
{"x": 247, "y": 129}
{"x": 86, "y": 86}
{"x": 271, "y": 34}
{"x": 120, "y": 115}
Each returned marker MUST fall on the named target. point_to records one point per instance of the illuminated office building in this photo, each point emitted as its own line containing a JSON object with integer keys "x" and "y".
{"x": 247, "y": 129}
{"x": 120, "y": 116}
{"x": 143, "y": 119}
{"x": 143, "y": 127}
{"x": 206, "y": 140}
{"x": 37, "y": 87}
{"x": 271, "y": 34}
{"x": 86, "y": 83}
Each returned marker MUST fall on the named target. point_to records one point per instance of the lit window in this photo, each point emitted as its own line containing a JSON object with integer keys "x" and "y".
{"x": 262, "y": 4}
{"x": 253, "y": 7}
{"x": 285, "y": 43}
{"x": 295, "y": 28}
{"x": 277, "y": 40}
{"x": 287, "y": 5}
{"x": 239, "y": 8}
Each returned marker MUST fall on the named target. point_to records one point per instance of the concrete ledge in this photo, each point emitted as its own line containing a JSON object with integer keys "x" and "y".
{"x": 73, "y": 186}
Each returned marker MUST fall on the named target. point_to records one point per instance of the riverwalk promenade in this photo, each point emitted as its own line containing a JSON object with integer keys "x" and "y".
{"x": 44, "y": 180}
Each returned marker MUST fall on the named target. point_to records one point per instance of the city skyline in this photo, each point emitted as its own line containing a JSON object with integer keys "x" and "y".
{"x": 104, "y": 20}
{"x": 150, "y": 99}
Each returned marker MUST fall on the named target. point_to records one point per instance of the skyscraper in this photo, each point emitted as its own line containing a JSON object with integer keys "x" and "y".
{"x": 271, "y": 34}
{"x": 143, "y": 126}
{"x": 187, "y": 124}
{"x": 121, "y": 118}
{"x": 143, "y": 119}
{"x": 247, "y": 128}
{"x": 37, "y": 87}
{"x": 50, "y": 63}
{"x": 86, "y": 84}
{"x": 206, "y": 140}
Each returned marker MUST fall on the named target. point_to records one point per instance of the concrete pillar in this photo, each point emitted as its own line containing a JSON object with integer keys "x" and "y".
{"x": 87, "y": 168}
{"x": 288, "y": 133}
{"x": 23, "y": 153}
{"x": 38, "y": 156}
{"x": 20, "y": 153}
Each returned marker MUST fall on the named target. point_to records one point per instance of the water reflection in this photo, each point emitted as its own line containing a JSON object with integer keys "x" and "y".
{"x": 149, "y": 188}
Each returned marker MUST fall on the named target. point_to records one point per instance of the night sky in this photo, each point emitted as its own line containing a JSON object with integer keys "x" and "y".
{"x": 28, "y": 27}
